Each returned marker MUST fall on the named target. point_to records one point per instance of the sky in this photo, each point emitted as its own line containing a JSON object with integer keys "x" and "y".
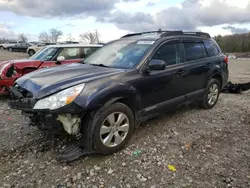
{"x": 115, "y": 18}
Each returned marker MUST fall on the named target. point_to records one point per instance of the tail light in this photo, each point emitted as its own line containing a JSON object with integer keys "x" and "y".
{"x": 226, "y": 59}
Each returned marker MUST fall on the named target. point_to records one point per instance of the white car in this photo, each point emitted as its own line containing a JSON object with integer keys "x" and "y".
{"x": 35, "y": 48}
{"x": 5, "y": 45}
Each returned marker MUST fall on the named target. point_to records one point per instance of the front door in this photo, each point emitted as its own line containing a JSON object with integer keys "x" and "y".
{"x": 71, "y": 55}
{"x": 161, "y": 88}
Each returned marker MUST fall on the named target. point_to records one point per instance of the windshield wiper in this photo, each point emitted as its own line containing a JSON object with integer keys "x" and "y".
{"x": 99, "y": 65}
{"x": 82, "y": 61}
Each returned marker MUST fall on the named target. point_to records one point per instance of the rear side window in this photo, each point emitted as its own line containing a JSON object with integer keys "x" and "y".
{"x": 169, "y": 52}
{"x": 212, "y": 49}
{"x": 87, "y": 51}
{"x": 194, "y": 51}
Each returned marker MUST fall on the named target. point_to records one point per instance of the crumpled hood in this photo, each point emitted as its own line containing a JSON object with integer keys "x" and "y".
{"x": 44, "y": 82}
{"x": 18, "y": 61}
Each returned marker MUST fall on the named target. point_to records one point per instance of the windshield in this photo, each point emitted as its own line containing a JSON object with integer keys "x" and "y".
{"x": 45, "y": 54}
{"x": 122, "y": 53}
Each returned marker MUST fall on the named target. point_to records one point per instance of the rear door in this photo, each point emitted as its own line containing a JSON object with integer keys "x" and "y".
{"x": 195, "y": 68}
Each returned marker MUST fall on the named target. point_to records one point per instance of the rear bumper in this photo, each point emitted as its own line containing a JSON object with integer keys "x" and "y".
{"x": 225, "y": 78}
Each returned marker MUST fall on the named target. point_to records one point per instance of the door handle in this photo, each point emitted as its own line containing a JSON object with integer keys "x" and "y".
{"x": 208, "y": 64}
{"x": 180, "y": 72}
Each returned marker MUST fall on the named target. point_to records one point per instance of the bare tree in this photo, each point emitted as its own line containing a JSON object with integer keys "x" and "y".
{"x": 70, "y": 38}
{"x": 44, "y": 37}
{"x": 55, "y": 34}
{"x": 90, "y": 37}
{"x": 23, "y": 38}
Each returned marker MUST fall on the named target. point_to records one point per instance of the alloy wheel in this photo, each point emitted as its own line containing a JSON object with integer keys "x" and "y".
{"x": 213, "y": 94}
{"x": 114, "y": 129}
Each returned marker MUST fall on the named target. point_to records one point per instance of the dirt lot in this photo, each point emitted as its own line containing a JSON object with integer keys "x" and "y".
{"x": 208, "y": 148}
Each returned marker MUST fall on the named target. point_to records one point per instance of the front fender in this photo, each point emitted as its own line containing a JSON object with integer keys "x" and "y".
{"x": 96, "y": 98}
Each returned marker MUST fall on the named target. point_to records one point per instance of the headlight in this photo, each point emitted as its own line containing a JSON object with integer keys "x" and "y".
{"x": 59, "y": 99}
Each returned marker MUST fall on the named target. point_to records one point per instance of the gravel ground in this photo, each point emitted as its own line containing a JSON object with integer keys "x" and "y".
{"x": 189, "y": 148}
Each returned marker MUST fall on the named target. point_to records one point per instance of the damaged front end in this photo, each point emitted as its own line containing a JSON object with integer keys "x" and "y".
{"x": 65, "y": 118}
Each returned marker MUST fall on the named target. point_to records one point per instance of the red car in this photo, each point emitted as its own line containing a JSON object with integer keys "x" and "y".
{"x": 49, "y": 56}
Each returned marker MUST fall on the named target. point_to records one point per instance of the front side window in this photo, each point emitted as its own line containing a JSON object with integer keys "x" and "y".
{"x": 46, "y": 54}
{"x": 122, "y": 53}
{"x": 212, "y": 50}
{"x": 71, "y": 53}
{"x": 170, "y": 53}
{"x": 194, "y": 51}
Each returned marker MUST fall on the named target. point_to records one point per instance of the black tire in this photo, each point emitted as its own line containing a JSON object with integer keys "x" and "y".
{"x": 2, "y": 48}
{"x": 31, "y": 52}
{"x": 97, "y": 121}
{"x": 205, "y": 101}
{"x": 10, "y": 50}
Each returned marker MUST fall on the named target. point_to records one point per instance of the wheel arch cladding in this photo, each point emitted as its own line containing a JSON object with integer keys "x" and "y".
{"x": 218, "y": 77}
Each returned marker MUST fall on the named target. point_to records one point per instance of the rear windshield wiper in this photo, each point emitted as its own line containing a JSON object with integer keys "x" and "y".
{"x": 99, "y": 65}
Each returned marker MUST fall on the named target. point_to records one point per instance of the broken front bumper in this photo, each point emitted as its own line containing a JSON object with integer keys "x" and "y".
{"x": 67, "y": 118}
{"x": 4, "y": 85}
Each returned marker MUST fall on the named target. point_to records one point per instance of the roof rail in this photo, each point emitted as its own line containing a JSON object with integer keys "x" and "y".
{"x": 147, "y": 32}
{"x": 171, "y": 33}
{"x": 165, "y": 33}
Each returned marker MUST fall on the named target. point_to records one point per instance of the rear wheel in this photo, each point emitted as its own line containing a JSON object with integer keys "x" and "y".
{"x": 2, "y": 48}
{"x": 10, "y": 49}
{"x": 211, "y": 94}
{"x": 111, "y": 128}
{"x": 31, "y": 52}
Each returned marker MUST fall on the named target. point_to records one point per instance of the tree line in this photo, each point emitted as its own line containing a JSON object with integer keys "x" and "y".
{"x": 234, "y": 43}
{"x": 53, "y": 35}
{"x": 228, "y": 43}
{"x": 22, "y": 38}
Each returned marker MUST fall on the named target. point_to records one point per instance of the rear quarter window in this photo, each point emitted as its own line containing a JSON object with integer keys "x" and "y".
{"x": 211, "y": 47}
{"x": 87, "y": 51}
{"x": 194, "y": 51}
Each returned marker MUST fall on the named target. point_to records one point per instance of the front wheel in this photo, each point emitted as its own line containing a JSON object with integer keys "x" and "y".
{"x": 31, "y": 52}
{"x": 2, "y": 48}
{"x": 111, "y": 128}
{"x": 10, "y": 49}
{"x": 211, "y": 94}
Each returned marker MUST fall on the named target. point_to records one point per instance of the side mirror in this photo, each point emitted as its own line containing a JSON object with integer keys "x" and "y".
{"x": 60, "y": 59}
{"x": 156, "y": 64}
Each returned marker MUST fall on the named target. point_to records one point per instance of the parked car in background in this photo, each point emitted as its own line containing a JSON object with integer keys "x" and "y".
{"x": 31, "y": 50}
{"x": 49, "y": 56}
{"x": 123, "y": 84}
{"x": 20, "y": 47}
{"x": 8, "y": 44}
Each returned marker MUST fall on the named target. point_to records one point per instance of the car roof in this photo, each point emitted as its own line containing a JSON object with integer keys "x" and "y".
{"x": 74, "y": 45}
